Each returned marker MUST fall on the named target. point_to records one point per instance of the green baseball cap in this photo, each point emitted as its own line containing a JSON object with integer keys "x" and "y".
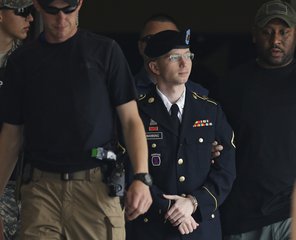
{"x": 275, "y": 9}
{"x": 15, "y": 4}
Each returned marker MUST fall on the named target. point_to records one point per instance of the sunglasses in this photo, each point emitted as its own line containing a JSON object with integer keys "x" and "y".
{"x": 146, "y": 38}
{"x": 55, "y": 10}
{"x": 23, "y": 12}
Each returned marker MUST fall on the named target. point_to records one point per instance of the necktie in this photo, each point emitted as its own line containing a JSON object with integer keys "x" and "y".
{"x": 174, "y": 116}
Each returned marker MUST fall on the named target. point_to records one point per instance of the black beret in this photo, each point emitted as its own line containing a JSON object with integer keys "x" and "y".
{"x": 164, "y": 41}
{"x": 46, "y": 3}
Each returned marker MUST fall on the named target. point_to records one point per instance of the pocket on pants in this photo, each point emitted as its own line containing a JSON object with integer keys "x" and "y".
{"x": 115, "y": 227}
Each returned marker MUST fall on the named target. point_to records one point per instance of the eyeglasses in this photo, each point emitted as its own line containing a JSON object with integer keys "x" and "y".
{"x": 178, "y": 57}
{"x": 55, "y": 10}
{"x": 23, "y": 12}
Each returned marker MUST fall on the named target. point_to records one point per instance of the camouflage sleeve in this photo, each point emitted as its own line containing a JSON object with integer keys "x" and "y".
{"x": 9, "y": 211}
{"x": 1, "y": 229}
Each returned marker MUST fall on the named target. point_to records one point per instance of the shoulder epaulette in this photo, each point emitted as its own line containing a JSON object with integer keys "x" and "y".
{"x": 141, "y": 97}
{"x": 212, "y": 101}
{"x": 205, "y": 98}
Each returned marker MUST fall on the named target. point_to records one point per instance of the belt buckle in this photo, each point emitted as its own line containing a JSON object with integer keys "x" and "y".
{"x": 66, "y": 176}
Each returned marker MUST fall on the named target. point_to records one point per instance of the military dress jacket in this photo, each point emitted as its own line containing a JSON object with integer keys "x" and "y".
{"x": 180, "y": 163}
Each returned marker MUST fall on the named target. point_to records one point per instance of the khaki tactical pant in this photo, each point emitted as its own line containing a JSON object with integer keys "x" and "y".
{"x": 55, "y": 209}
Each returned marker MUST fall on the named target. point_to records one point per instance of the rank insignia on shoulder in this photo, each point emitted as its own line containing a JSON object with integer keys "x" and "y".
{"x": 155, "y": 159}
{"x": 202, "y": 123}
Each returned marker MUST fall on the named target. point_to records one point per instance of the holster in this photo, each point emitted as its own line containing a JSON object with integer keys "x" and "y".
{"x": 114, "y": 173}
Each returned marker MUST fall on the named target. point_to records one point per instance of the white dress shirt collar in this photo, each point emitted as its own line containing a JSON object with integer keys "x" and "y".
{"x": 180, "y": 102}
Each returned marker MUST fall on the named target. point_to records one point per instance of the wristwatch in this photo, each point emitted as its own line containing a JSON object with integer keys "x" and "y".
{"x": 144, "y": 177}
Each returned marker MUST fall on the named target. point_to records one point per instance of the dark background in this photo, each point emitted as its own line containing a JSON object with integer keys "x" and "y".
{"x": 221, "y": 30}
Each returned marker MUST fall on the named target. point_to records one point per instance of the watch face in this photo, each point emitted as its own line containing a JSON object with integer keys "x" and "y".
{"x": 147, "y": 178}
{"x": 144, "y": 177}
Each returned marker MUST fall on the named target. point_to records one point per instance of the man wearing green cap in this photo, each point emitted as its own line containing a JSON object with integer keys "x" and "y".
{"x": 259, "y": 100}
{"x": 180, "y": 126}
{"x": 65, "y": 92}
{"x": 15, "y": 19}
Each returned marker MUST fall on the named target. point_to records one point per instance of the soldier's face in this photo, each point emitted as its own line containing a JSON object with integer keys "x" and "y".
{"x": 14, "y": 26}
{"x": 60, "y": 25}
{"x": 275, "y": 44}
{"x": 174, "y": 67}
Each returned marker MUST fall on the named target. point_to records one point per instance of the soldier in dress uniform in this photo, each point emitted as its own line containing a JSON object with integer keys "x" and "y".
{"x": 188, "y": 187}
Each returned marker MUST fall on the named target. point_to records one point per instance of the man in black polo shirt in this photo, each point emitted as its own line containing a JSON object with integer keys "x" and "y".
{"x": 63, "y": 92}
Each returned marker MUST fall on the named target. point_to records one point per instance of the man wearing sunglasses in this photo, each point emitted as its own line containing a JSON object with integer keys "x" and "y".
{"x": 15, "y": 20}
{"x": 180, "y": 126}
{"x": 65, "y": 91}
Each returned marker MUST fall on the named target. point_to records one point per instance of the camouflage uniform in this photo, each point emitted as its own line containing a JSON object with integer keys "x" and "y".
{"x": 15, "y": 3}
{"x": 9, "y": 211}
